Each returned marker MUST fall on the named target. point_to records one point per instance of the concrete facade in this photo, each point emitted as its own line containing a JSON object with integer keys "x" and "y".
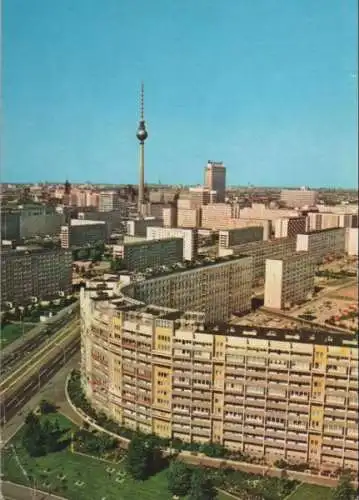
{"x": 288, "y": 281}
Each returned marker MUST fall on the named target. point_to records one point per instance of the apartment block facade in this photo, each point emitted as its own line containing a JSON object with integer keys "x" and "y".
{"x": 138, "y": 256}
{"x": 351, "y": 241}
{"x": 320, "y": 244}
{"x": 216, "y": 289}
{"x": 261, "y": 251}
{"x": 231, "y": 237}
{"x": 289, "y": 281}
{"x": 34, "y": 273}
{"x": 285, "y": 227}
{"x": 189, "y": 236}
{"x": 269, "y": 393}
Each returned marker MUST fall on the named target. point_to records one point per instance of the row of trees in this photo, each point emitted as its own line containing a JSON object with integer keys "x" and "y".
{"x": 93, "y": 253}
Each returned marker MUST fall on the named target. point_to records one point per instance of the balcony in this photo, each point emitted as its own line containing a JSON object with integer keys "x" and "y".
{"x": 271, "y": 405}
{"x": 258, "y": 403}
{"x": 239, "y": 400}
{"x": 233, "y": 436}
{"x": 202, "y": 395}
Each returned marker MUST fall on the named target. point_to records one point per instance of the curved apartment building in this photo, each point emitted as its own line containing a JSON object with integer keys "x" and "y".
{"x": 268, "y": 392}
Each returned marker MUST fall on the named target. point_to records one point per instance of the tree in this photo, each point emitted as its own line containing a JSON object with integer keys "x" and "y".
{"x": 344, "y": 489}
{"x": 179, "y": 478}
{"x": 201, "y": 487}
{"x": 47, "y": 407}
{"x": 116, "y": 265}
{"x": 139, "y": 457}
{"x": 33, "y": 437}
{"x": 82, "y": 254}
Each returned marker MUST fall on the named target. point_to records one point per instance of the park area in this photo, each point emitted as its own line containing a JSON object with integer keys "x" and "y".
{"x": 311, "y": 492}
{"x": 12, "y": 331}
{"x": 76, "y": 476}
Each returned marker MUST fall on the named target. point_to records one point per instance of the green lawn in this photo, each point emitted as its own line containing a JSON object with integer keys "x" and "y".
{"x": 98, "y": 483}
{"x": 13, "y": 331}
{"x": 312, "y": 492}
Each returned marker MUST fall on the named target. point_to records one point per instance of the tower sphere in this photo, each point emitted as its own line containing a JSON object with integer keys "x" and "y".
{"x": 141, "y": 131}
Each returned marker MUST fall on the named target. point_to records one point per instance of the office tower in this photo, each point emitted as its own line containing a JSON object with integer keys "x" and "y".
{"x": 141, "y": 136}
{"x": 215, "y": 179}
{"x": 81, "y": 232}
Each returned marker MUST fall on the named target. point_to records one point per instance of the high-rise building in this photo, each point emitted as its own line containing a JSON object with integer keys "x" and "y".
{"x": 216, "y": 288}
{"x": 289, "y": 281}
{"x": 268, "y": 392}
{"x": 109, "y": 200}
{"x": 190, "y": 238}
{"x": 141, "y": 255}
{"x": 34, "y": 273}
{"x": 231, "y": 237}
{"x": 321, "y": 244}
{"x": 80, "y": 232}
{"x": 215, "y": 179}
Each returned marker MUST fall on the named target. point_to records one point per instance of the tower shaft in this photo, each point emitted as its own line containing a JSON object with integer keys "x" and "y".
{"x": 141, "y": 184}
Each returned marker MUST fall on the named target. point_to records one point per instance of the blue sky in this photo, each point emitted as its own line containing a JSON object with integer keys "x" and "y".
{"x": 267, "y": 86}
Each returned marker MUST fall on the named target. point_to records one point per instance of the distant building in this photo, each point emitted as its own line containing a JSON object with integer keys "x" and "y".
{"x": 109, "y": 200}
{"x": 138, "y": 227}
{"x": 289, "y": 226}
{"x": 189, "y": 217}
{"x": 231, "y": 237}
{"x": 113, "y": 218}
{"x": 215, "y": 179}
{"x": 81, "y": 233}
{"x": 138, "y": 256}
{"x": 288, "y": 281}
{"x": 189, "y": 236}
{"x": 26, "y": 222}
{"x": 34, "y": 273}
{"x": 169, "y": 216}
{"x": 298, "y": 198}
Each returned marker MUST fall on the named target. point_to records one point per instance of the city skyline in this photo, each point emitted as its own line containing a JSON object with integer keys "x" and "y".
{"x": 223, "y": 86}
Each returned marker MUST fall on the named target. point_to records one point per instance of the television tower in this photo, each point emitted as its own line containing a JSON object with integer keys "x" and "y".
{"x": 141, "y": 136}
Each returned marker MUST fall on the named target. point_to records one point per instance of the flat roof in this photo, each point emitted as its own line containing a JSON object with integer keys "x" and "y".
{"x": 85, "y": 222}
{"x": 182, "y": 267}
{"x": 149, "y": 242}
{"x": 300, "y": 335}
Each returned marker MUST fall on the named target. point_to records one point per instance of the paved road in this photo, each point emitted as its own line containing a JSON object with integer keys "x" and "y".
{"x": 54, "y": 390}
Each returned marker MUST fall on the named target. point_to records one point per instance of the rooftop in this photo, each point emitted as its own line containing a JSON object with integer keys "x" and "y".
{"x": 186, "y": 266}
{"x": 85, "y": 222}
